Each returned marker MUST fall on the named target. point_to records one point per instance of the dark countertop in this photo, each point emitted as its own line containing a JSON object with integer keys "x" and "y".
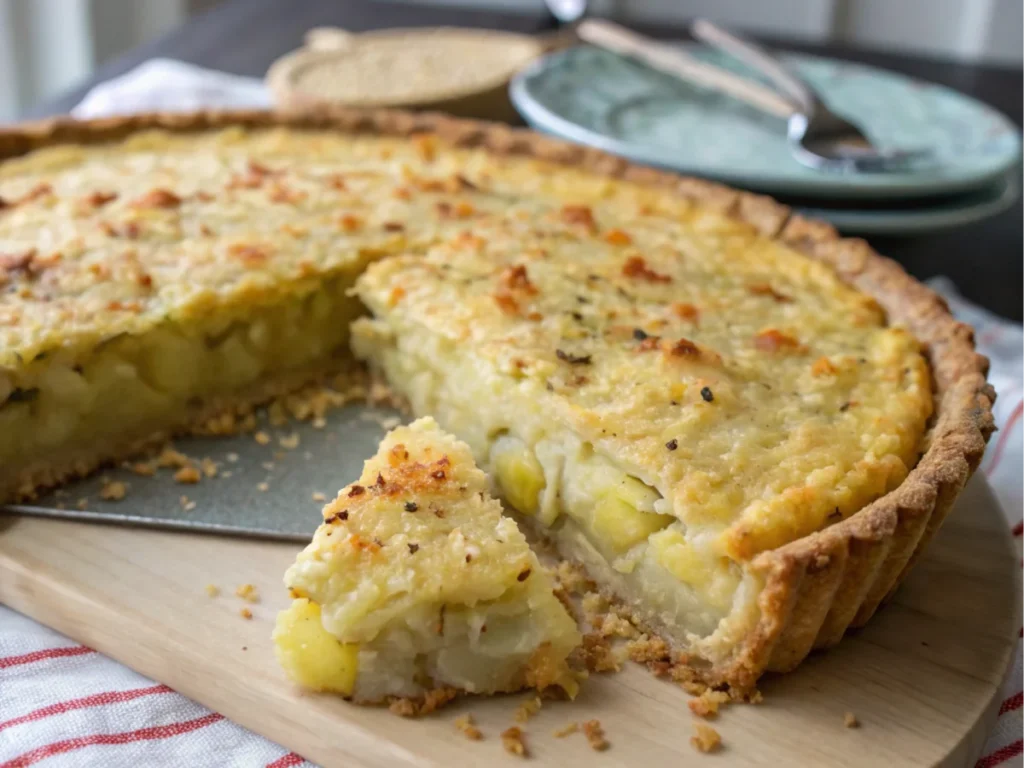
{"x": 245, "y": 36}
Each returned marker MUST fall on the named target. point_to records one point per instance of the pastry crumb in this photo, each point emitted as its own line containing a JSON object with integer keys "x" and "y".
{"x": 172, "y": 459}
{"x": 850, "y": 720}
{"x": 262, "y": 438}
{"x": 430, "y": 702}
{"x": 143, "y": 468}
{"x": 513, "y": 742}
{"x": 212, "y": 590}
{"x": 232, "y": 457}
{"x": 82, "y": 504}
{"x": 566, "y": 730}
{"x": 245, "y": 613}
{"x": 209, "y": 467}
{"x": 527, "y": 709}
{"x": 572, "y": 578}
{"x": 263, "y": 487}
{"x": 707, "y": 704}
{"x": 319, "y": 497}
{"x": 187, "y": 475}
{"x": 595, "y": 735}
{"x": 289, "y": 442}
{"x": 705, "y": 738}
{"x": 113, "y": 490}
{"x": 248, "y": 592}
{"x": 597, "y": 654}
{"x": 268, "y": 465}
{"x": 468, "y": 727}
{"x": 319, "y": 422}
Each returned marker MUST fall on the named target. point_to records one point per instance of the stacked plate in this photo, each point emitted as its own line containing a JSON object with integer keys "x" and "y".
{"x": 972, "y": 170}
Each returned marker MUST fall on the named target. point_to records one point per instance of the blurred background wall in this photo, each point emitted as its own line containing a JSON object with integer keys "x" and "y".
{"x": 48, "y": 45}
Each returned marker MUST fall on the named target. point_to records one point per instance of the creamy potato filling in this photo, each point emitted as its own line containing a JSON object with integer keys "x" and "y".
{"x": 597, "y": 512}
{"x": 485, "y": 648}
{"x": 132, "y": 385}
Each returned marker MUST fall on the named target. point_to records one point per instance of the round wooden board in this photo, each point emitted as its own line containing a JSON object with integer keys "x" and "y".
{"x": 922, "y": 678}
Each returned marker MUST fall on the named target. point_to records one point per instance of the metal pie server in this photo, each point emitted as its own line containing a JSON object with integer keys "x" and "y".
{"x": 269, "y": 490}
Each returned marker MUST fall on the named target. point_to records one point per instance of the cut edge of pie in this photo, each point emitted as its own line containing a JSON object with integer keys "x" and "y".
{"x": 816, "y": 587}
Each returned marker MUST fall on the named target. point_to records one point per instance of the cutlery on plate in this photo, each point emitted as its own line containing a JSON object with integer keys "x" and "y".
{"x": 817, "y": 136}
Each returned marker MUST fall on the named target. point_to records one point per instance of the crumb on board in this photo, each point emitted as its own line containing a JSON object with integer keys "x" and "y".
{"x": 468, "y": 727}
{"x": 226, "y": 474}
{"x": 262, "y": 438}
{"x": 319, "y": 422}
{"x": 850, "y": 720}
{"x": 289, "y": 442}
{"x": 567, "y": 730}
{"x": 187, "y": 475}
{"x": 597, "y": 654}
{"x": 209, "y": 466}
{"x": 431, "y": 701}
{"x": 268, "y": 465}
{"x": 232, "y": 457}
{"x": 113, "y": 490}
{"x": 595, "y": 735}
{"x": 705, "y": 738}
{"x": 245, "y": 613}
{"x": 212, "y": 590}
{"x": 707, "y": 704}
{"x": 248, "y": 592}
{"x": 82, "y": 504}
{"x": 513, "y": 742}
{"x": 319, "y": 497}
{"x": 263, "y": 487}
{"x": 527, "y": 709}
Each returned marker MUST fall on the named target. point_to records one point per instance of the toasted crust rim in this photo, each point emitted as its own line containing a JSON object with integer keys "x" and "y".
{"x": 818, "y": 586}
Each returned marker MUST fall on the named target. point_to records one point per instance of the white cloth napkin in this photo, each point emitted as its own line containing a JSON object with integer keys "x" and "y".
{"x": 67, "y": 705}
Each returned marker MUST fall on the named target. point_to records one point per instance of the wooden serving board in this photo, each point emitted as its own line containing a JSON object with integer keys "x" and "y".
{"x": 922, "y": 678}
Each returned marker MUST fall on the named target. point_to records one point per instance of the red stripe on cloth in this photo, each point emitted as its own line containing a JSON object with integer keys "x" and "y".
{"x": 1004, "y": 438}
{"x": 1012, "y": 703}
{"x": 1001, "y": 755}
{"x": 143, "y": 734}
{"x": 96, "y": 700}
{"x": 287, "y": 761}
{"x": 49, "y": 653}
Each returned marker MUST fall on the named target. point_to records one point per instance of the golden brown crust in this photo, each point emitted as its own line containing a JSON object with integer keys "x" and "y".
{"x": 815, "y": 587}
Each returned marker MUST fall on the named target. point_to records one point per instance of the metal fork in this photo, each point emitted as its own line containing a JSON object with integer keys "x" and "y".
{"x": 817, "y": 136}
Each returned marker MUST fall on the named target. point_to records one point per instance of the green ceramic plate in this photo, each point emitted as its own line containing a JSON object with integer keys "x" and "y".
{"x": 595, "y": 97}
{"x": 920, "y": 217}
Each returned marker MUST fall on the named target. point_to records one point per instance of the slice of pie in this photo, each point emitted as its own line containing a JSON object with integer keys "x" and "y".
{"x": 744, "y": 426}
{"x": 416, "y": 584}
